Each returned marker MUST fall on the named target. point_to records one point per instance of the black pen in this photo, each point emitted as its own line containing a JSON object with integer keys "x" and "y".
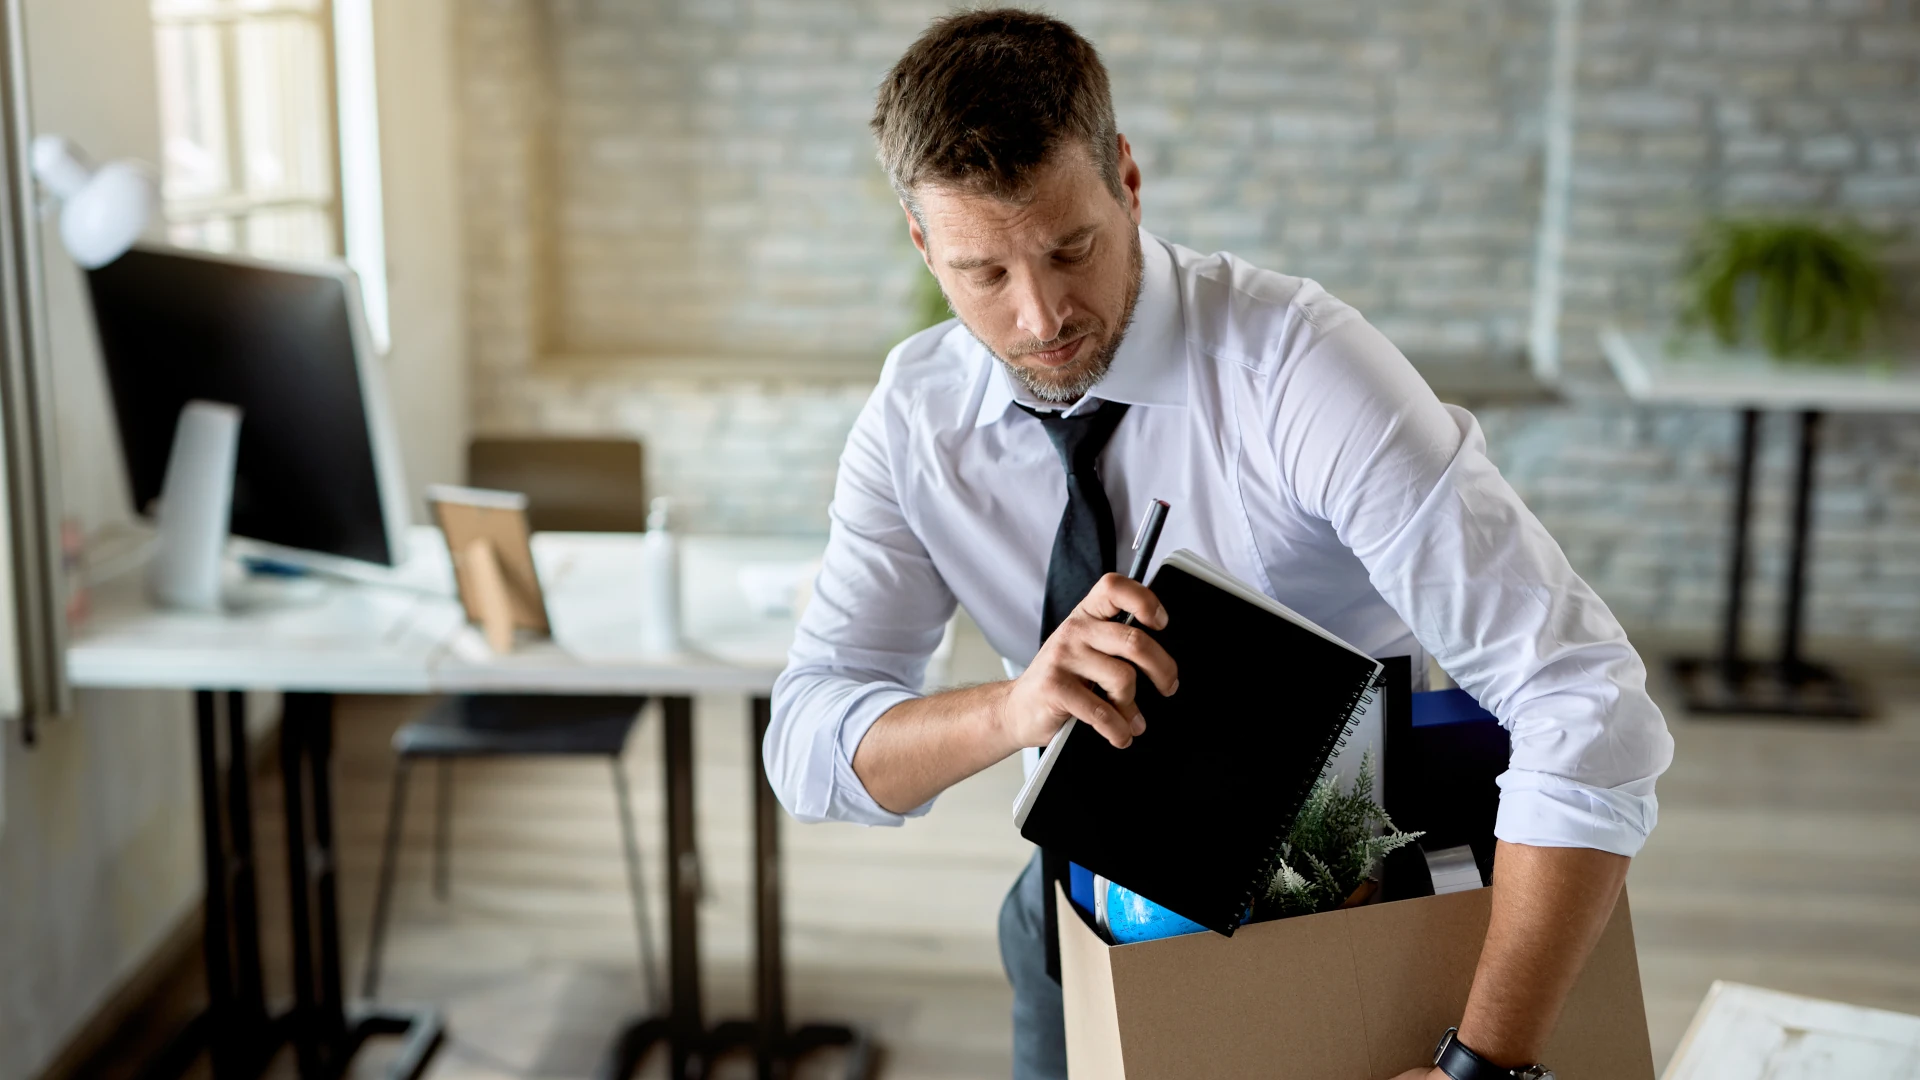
{"x": 1144, "y": 541}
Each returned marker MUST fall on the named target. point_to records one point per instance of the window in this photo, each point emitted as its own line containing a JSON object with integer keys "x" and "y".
{"x": 257, "y": 155}
{"x": 246, "y": 124}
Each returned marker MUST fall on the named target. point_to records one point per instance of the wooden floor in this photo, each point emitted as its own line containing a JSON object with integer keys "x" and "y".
{"x": 1788, "y": 855}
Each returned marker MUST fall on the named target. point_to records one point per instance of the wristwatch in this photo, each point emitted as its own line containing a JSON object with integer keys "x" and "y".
{"x": 1453, "y": 1058}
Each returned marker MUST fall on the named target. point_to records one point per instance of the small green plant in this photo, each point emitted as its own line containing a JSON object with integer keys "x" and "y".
{"x": 1336, "y": 843}
{"x": 1800, "y": 289}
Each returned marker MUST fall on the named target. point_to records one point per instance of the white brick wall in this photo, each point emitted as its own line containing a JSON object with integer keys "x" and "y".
{"x": 695, "y": 179}
{"x": 1733, "y": 106}
{"x": 712, "y": 188}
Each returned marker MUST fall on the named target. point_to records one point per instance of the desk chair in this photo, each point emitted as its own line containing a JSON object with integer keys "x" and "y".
{"x": 585, "y": 485}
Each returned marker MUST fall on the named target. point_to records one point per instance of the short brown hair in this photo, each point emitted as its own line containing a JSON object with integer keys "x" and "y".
{"x": 984, "y": 98}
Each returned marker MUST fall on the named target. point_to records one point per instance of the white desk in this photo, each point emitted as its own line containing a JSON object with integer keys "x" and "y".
{"x": 593, "y": 593}
{"x": 356, "y": 640}
{"x": 1790, "y": 685}
{"x": 409, "y": 635}
{"x": 412, "y": 638}
{"x": 1752, "y": 381}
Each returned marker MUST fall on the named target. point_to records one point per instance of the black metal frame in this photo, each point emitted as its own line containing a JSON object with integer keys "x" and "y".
{"x": 1727, "y": 684}
{"x": 236, "y": 1030}
{"x": 241, "y": 1036}
{"x": 692, "y": 1046}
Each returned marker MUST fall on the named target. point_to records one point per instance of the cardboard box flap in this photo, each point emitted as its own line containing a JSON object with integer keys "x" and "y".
{"x": 1092, "y": 1021}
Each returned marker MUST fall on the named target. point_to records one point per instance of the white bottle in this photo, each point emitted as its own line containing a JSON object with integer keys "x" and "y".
{"x": 659, "y": 584}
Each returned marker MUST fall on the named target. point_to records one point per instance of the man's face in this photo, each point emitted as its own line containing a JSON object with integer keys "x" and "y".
{"x": 1047, "y": 284}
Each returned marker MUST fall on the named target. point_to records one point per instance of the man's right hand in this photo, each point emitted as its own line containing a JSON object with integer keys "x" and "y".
{"x": 1088, "y": 650}
{"x": 922, "y": 746}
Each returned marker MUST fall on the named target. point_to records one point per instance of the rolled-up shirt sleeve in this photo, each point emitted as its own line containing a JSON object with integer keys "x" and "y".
{"x": 1405, "y": 483}
{"x": 877, "y": 613}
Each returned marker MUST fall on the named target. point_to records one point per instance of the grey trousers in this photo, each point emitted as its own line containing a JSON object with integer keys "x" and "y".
{"x": 1039, "y": 1022}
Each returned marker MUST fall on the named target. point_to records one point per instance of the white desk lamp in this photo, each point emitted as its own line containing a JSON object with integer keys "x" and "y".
{"x": 104, "y": 210}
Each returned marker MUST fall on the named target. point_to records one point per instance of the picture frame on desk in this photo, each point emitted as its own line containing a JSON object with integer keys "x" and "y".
{"x": 489, "y": 540}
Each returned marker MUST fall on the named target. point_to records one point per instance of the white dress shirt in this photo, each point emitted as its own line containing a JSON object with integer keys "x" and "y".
{"x": 1300, "y": 451}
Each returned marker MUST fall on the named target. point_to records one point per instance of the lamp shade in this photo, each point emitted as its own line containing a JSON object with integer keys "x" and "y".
{"x": 103, "y": 210}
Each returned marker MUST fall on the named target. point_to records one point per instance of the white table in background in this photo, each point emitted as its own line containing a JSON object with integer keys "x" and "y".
{"x": 409, "y": 635}
{"x": 1790, "y": 685}
{"x": 1747, "y": 1033}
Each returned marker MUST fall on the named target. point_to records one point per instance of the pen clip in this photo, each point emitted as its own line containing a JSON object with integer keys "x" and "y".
{"x": 1146, "y": 522}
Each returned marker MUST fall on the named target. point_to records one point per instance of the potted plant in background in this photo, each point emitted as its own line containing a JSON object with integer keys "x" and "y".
{"x": 1799, "y": 290}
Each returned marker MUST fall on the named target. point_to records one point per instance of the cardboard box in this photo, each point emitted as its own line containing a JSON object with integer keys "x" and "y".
{"x": 1358, "y": 994}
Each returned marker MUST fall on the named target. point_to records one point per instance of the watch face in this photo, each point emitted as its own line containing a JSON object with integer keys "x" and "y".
{"x": 1534, "y": 1072}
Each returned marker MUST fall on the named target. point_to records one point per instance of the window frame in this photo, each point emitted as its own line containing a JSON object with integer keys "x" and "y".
{"x": 352, "y": 205}
{"x": 236, "y": 205}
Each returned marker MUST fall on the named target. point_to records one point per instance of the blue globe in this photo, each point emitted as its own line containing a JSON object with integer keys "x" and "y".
{"x": 1132, "y": 917}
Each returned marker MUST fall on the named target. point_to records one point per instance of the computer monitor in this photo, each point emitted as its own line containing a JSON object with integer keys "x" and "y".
{"x": 317, "y": 474}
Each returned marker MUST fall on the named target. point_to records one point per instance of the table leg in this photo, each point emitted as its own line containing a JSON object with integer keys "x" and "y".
{"x": 769, "y": 950}
{"x": 250, "y": 986}
{"x": 220, "y": 1023}
{"x": 1737, "y": 547}
{"x": 293, "y": 759}
{"x": 777, "y": 1047}
{"x": 1790, "y": 686}
{"x": 1790, "y": 662}
{"x": 235, "y": 1030}
{"x": 326, "y": 1033}
{"x": 683, "y": 883}
{"x": 682, "y": 1028}
{"x": 332, "y": 1016}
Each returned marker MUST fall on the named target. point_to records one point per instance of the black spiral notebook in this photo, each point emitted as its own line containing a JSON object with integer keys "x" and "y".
{"x": 1191, "y": 815}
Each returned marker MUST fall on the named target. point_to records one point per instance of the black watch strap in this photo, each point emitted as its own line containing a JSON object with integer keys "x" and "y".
{"x": 1458, "y": 1061}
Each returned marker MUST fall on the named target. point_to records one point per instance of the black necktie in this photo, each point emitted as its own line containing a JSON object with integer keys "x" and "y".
{"x": 1083, "y": 550}
{"x": 1084, "y": 545}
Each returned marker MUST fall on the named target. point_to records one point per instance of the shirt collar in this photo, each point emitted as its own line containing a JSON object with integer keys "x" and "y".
{"x": 1149, "y": 369}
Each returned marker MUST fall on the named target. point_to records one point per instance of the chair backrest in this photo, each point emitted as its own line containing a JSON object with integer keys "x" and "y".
{"x": 572, "y": 485}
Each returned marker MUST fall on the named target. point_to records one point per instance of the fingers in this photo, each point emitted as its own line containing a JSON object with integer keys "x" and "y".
{"x": 1117, "y": 678}
{"x": 1115, "y": 594}
{"x": 1090, "y": 651}
{"x": 1134, "y": 644}
{"x": 1078, "y": 700}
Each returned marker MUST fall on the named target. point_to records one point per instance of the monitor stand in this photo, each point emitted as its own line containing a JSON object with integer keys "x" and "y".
{"x": 196, "y": 504}
{"x": 191, "y": 570}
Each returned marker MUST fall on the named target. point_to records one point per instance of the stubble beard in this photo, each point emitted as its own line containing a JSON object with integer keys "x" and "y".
{"x": 1064, "y": 386}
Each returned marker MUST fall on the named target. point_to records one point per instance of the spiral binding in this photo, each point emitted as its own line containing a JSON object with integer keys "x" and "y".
{"x": 1363, "y": 695}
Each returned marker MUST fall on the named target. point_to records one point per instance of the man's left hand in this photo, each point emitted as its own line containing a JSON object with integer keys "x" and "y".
{"x": 1431, "y": 1073}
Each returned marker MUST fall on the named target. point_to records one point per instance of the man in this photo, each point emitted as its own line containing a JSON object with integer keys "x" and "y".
{"x": 1095, "y": 367}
